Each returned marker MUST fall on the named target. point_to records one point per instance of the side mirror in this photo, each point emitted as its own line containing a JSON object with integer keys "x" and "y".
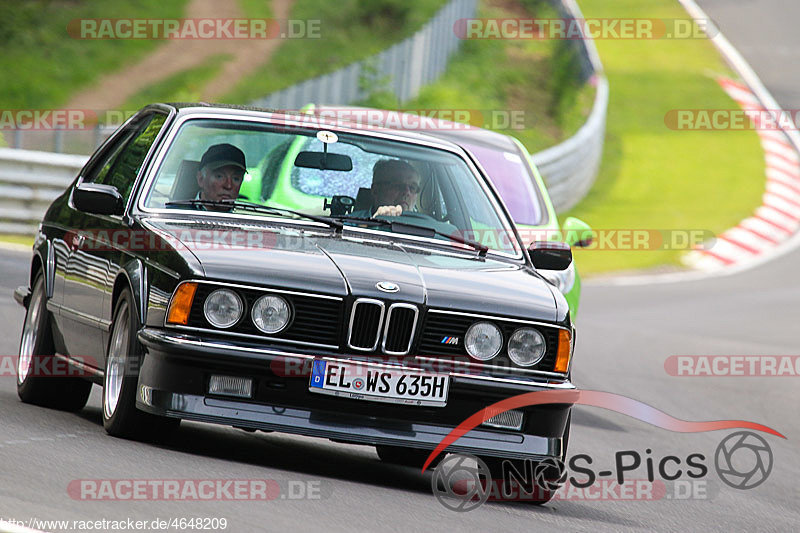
{"x": 550, "y": 255}
{"x": 97, "y": 199}
{"x": 576, "y": 232}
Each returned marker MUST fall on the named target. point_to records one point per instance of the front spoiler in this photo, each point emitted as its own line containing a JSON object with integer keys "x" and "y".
{"x": 340, "y": 427}
{"x": 171, "y": 377}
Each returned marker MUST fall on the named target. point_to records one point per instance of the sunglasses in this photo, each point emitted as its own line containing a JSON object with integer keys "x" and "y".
{"x": 413, "y": 188}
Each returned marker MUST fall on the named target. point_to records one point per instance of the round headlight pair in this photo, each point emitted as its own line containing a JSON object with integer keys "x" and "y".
{"x": 526, "y": 347}
{"x": 223, "y": 308}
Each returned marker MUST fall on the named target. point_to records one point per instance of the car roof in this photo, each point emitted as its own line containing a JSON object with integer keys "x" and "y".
{"x": 427, "y": 136}
{"x": 454, "y": 132}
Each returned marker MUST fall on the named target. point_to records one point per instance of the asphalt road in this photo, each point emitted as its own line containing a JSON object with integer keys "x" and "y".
{"x": 626, "y": 333}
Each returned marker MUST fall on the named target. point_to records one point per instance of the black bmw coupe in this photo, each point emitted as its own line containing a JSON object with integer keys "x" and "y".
{"x": 379, "y": 294}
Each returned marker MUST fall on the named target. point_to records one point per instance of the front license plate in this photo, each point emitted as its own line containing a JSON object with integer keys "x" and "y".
{"x": 379, "y": 383}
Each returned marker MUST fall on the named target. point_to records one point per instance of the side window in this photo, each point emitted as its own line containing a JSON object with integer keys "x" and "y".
{"x": 126, "y": 158}
{"x": 102, "y": 166}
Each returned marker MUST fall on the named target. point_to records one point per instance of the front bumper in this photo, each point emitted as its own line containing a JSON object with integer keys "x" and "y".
{"x": 173, "y": 381}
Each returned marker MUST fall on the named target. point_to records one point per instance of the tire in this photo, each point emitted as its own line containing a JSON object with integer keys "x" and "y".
{"x": 548, "y": 472}
{"x": 406, "y": 456}
{"x": 121, "y": 418}
{"x": 36, "y": 354}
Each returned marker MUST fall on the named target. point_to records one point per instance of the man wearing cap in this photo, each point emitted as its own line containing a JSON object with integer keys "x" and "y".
{"x": 221, "y": 172}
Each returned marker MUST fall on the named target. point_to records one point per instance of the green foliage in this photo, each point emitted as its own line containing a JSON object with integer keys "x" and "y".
{"x": 383, "y": 15}
{"x": 535, "y": 79}
{"x": 43, "y": 65}
{"x": 349, "y": 30}
{"x": 375, "y": 88}
{"x": 565, "y": 81}
{"x": 257, "y": 9}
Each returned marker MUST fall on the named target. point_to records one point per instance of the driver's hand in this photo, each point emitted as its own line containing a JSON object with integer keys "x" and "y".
{"x": 389, "y": 211}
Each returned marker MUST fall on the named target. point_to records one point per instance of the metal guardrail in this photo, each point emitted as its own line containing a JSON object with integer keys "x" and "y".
{"x": 569, "y": 168}
{"x": 406, "y": 67}
{"x": 30, "y": 180}
{"x": 69, "y": 141}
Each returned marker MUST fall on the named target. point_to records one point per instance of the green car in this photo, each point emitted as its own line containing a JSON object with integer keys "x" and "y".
{"x": 518, "y": 182}
{"x": 277, "y": 181}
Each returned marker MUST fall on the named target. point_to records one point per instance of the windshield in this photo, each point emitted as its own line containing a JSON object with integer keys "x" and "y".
{"x": 514, "y": 181}
{"x": 351, "y": 177}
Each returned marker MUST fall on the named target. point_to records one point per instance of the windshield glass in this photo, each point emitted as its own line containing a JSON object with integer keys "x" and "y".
{"x": 514, "y": 183}
{"x": 351, "y": 176}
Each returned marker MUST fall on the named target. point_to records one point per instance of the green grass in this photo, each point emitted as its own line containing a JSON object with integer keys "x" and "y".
{"x": 350, "y": 30}
{"x": 43, "y": 66}
{"x": 16, "y": 239}
{"x": 534, "y": 79}
{"x": 185, "y": 86}
{"x": 653, "y": 177}
{"x": 256, "y": 8}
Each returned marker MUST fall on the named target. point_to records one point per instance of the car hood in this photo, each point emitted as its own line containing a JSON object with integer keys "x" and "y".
{"x": 320, "y": 262}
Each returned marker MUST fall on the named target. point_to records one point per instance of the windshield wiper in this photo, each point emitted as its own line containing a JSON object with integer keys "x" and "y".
{"x": 419, "y": 231}
{"x": 257, "y": 208}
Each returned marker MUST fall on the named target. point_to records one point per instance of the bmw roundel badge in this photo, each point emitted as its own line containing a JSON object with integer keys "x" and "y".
{"x": 387, "y": 286}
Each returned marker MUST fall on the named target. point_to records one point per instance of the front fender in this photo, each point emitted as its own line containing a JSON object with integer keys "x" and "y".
{"x": 134, "y": 275}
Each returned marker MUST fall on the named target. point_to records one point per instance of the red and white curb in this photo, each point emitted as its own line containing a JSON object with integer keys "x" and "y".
{"x": 769, "y": 231}
{"x": 778, "y": 216}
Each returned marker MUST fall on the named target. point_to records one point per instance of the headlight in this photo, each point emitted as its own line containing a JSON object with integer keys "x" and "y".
{"x": 223, "y": 308}
{"x": 271, "y": 314}
{"x": 562, "y": 279}
{"x": 483, "y": 340}
{"x": 526, "y": 347}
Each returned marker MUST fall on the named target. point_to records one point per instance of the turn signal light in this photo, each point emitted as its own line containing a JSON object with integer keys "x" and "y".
{"x": 564, "y": 351}
{"x": 181, "y": 304}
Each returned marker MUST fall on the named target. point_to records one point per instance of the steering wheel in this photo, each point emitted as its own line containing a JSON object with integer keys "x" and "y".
{"x": 417, "y": 215}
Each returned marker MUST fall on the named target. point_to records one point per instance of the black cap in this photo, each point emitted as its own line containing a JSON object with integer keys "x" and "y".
{"x": 221, "y": 155}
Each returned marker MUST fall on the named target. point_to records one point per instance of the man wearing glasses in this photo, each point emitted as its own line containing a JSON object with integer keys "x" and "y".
{"x": 395, "y": 186}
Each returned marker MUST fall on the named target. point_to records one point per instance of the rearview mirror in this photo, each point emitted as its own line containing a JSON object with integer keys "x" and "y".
{"x": 577, "y": 232}
{"x": 98, "y": 199}
{"x": 550, "y": 255}
{"x": 324, "y": 161}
